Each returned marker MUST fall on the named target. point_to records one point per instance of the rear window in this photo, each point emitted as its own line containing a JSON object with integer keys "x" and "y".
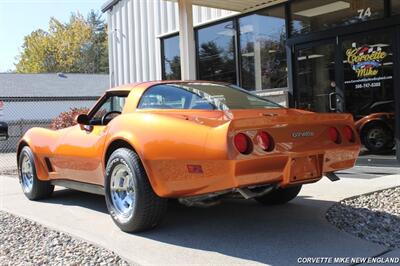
{"x": 203, "y": 96}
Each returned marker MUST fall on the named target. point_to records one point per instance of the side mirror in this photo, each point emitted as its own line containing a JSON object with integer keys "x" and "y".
{"x": 82, "y": 119}
{"x": 3, "y": 131}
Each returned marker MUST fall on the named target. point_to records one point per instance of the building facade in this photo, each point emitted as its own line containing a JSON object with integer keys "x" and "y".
{"x": 136, "y": 30}
{"x": 325, "y": 55}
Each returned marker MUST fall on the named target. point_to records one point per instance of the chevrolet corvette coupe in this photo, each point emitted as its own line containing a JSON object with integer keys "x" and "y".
{"x": 195, "y": 141}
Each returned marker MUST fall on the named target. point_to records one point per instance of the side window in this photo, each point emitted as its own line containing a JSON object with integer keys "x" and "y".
{"x": 112, "y": 104}
{"x": 170, "y": 97}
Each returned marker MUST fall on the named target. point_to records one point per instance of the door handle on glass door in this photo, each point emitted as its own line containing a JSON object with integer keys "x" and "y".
{"x": 331, "y": 106}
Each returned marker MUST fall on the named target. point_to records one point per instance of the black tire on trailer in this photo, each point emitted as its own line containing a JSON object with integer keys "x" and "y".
{"x": 33, "y": 188}
{"x": 280, "y": 195}
{"x": 130, "y": 199}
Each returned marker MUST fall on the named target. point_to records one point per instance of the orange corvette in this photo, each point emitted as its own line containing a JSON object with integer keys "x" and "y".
{"x": 195, "y": 141}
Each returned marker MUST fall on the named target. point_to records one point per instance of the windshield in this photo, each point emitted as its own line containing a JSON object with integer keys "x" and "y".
{"x": 207, "y": 96}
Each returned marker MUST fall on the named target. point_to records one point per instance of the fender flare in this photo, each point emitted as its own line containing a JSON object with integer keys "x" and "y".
{"x": 41, "y": 170}
{"x": 129, "y": 139}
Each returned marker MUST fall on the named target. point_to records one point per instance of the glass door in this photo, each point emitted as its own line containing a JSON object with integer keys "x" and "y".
{"x": 316, "y": 80}
{"x": 368, "y": 78}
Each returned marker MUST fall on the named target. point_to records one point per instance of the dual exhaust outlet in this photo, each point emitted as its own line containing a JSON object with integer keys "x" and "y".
{"x": 247, "y": 193}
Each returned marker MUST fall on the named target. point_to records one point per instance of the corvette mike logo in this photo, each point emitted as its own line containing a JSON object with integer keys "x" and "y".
{"x": 302, "y": 134}
{"x": 366, "y": 60}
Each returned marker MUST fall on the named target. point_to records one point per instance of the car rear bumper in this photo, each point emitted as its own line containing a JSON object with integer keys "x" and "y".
{"x": 174, "y": 179}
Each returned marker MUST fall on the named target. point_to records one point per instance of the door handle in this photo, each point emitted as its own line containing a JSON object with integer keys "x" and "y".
{"x": 331, "y": 107}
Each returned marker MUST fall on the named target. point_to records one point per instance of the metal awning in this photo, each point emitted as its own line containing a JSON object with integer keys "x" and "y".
{"x": 235, "y": 5}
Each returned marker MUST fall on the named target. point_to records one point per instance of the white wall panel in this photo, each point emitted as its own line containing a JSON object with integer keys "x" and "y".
{"x": 125, "y": 41}
{"x": 131, "y": 43}
{"x": 134, "y": 49}
{"x": 110, "y": 49}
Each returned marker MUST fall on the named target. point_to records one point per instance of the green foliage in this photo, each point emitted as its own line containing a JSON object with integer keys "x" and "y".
{"x": 78, "y": 46}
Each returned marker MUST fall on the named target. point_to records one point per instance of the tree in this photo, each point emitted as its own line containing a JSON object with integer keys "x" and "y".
{"x": 78, "y": 46}
{"x": 95, "y": 50}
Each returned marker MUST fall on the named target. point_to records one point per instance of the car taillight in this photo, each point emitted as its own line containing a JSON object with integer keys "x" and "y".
{"x": 333, "y": 134}
{"x": 265, "y": 141}
{"x": 242, "y": 143}
{"x": 348, "y": 133}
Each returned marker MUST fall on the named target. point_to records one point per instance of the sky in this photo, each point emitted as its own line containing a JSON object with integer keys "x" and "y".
{"x": 19, "y": 18}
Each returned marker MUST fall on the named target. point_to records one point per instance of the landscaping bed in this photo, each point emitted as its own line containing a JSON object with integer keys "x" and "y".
{"x": 23, "y": 242}
{"x": 374, "y": 216}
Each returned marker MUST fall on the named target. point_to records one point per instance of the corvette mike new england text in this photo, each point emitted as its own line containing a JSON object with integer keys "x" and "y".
{"x": 351, "y": 260}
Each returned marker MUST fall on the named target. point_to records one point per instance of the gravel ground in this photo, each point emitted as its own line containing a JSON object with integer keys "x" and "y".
{"x": 374, "y": 217}
{"x": 23, "y": 242}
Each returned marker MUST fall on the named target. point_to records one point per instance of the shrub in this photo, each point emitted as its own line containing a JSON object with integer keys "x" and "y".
{"x": 67, "y": 119}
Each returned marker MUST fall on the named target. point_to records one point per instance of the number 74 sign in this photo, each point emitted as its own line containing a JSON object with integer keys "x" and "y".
{"x": 364, "y": 13}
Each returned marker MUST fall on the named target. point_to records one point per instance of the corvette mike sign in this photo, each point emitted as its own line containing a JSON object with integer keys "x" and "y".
{"x": 369, "y": 66}
{"x": 365, "y": 60}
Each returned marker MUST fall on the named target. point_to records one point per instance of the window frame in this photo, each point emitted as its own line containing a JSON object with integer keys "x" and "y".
{"x": 171, "y": 83}
{"x": 231, "y": 86}
{"x": 383, "y": 15}
{"x": 235, "y": 22}
{"x": 103, "y": 99}
{"x": 285, "y": 7}
{"x": 162, "y": 53}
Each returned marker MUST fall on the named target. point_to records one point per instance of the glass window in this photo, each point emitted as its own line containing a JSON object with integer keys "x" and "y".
{"x": 395, "y": 7}
{"x": 111, "y": 104}
{"x": 369, "y": 89}
{"x": 315, "y": 65}
{"x": 171, "y": 61}
{"x": 368, "y": 74}
{"x": 205, "y": 96}
{"x": 316, "y": 15}
{"x": 216, "y": 52}
{"x": 262, "y": 50}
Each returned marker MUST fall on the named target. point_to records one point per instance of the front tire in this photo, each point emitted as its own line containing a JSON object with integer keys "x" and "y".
{"x": 33, "y": 188}
{"x": 279, "y": 196}
{"x": 130, "y": 199}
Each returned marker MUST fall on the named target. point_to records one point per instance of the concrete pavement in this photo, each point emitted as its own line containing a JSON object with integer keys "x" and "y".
{"x": 236, "y": 232}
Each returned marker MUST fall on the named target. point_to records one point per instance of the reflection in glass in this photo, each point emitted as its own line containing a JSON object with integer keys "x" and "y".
{"x": 368, "y": 84}
{"x": 216, "y": 53}
{"x": 316, "y": 15}
{"x": 262, "y": 50}
{"x": 316, "y": 77}
{"x": 171, "y": 61}
{"x": 395, "y": 7}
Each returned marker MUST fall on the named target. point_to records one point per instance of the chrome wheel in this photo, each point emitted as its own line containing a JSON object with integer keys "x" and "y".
{"x": 26, "y": 174}
{"x": 377, "y": 137}
{"x": 122, "y": 190}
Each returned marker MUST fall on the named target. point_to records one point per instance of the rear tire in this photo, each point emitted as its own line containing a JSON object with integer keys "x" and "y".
{"x": 130, "y": 199}
{"x": 377, "y": 138}
{"x": 280, "y": 195}
{"x": 33, "y": 188}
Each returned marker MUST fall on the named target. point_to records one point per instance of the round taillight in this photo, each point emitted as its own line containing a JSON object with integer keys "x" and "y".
{"x": 242, "y": 143}
{"x": 333, "y": 134}
{"x": 265, "y": 141}
{"x": 348, "y": 133}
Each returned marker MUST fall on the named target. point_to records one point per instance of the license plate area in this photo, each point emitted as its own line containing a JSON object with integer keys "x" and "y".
{"x": 305, "y": 168}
